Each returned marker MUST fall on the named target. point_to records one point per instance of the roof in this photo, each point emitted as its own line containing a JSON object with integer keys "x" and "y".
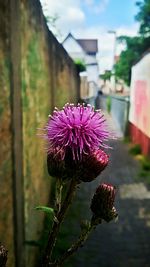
{"x": 68, "y": 36}
{"x": 88, "y": 45}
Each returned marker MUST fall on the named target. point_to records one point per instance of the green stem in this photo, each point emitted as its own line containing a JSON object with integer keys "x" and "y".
{"x": 79, "y": 243}
{"x": 57, "y": 222}
{"x": 59, "y": 187}
{"x": 82, "y": 238}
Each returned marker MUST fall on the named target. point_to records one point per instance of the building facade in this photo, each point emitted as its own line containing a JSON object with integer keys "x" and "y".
{"x": 86, "y": 51}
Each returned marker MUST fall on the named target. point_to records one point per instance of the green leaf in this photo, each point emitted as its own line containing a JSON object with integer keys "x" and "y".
{"x": 45, "y": 209}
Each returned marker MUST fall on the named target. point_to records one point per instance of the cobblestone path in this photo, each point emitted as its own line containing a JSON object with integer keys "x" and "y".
{"x": 125, "y": 243}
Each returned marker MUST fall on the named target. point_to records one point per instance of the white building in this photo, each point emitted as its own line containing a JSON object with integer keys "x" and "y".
{"x": 86, "y": 51}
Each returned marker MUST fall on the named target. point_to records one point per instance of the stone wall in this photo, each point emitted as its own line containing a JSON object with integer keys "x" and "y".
{"x": 36, "y": 74}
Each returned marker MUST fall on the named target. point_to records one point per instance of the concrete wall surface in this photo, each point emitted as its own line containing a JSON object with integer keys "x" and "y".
{"x": 36, "y": 74}
{"x": 118, "y": 107}
{"x": 139, "y": 115}
{"x": 140, "y": 95}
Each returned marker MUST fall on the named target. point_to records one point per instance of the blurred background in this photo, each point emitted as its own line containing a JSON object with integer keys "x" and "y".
{"x": 91, "y": 51}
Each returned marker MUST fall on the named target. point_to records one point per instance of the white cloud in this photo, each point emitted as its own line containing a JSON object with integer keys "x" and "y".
{"x": 95, "y": 6}
{"x": 74, "y": 15}
{"x": 71, "y": 16}
{"x": 130, "y": 31}
{"x": 89, "y": 2}
{"x": 101, "y": 7}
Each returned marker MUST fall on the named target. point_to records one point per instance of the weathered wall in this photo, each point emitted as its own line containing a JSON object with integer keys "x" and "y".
{"x": 36, "y": 102}
{"x": 6, "y": 193}
{"x": 45, "y": 77}
{"x": 140, "y": 103}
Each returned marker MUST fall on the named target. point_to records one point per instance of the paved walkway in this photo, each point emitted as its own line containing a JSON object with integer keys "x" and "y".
{"x": 125, "y": 243}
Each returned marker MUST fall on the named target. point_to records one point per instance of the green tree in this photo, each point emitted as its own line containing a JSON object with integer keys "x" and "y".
{"x": 135, "y": 46}
{"x": 51, "y": 20}
{"x": 106, "y": 76}
{"x": 143, "y": 17}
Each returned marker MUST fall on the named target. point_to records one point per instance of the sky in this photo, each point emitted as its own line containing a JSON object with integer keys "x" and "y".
{"x": 94, "y": 19}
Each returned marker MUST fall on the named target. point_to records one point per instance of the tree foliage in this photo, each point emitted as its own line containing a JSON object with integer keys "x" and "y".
{"x": 143, "y": 17}
{"x": 80, "y": 65}
{"x": 106, "y": 76}
{"x": 135, "y": 46}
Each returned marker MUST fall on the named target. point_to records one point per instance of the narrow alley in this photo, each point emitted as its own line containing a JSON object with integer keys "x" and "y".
{"x": 126, "y": 242}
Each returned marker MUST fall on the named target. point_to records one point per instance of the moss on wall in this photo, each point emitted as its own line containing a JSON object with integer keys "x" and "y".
{"x": 6, "y": 198}
{"x": 48, "y": 78}
{"x": 36, "y": 100}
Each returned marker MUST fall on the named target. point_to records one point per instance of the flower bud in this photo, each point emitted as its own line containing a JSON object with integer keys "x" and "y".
{"x": 102, "y": 204}
{"x": 92, "y": 165}
{"x": 86, "y": 169}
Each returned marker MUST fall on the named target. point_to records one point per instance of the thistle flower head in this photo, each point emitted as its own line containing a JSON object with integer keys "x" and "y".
{"x": 102, "y": 204}
{"x": 79, "y": 128}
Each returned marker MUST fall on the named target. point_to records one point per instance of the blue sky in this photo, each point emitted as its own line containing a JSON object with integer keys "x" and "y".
{"x": 113, "y": 14}
{"x": 93, "y": 19}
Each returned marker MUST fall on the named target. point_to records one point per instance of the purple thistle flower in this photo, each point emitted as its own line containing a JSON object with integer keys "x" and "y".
{"x": 79, "y": 128}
